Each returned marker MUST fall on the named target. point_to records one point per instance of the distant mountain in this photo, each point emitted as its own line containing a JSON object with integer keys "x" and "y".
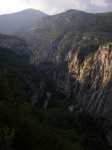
{"x": 20, "y": 21}
{"x": 56, "y": 35}
{"x": 71, "y": 70}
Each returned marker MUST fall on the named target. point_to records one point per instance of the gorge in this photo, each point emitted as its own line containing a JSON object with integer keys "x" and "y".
{"x": 57, "y": 72}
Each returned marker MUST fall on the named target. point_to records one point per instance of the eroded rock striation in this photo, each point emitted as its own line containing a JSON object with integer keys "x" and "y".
{"x": 94, "y": 76}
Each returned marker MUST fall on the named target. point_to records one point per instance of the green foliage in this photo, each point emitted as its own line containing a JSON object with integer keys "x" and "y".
{"x": 11, "y": 87}
{"x": 25, "y": 127}
{"x": 6, "y": 138}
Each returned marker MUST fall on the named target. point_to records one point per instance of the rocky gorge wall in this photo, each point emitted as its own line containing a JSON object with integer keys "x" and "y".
{"x": 94, "y": 76}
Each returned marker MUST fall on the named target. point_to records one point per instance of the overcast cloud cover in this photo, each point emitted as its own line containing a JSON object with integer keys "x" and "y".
{"x": 55, "y": 6}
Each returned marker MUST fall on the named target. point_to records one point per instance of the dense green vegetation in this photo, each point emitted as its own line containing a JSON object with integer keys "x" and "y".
{"x": 25, "y": 127}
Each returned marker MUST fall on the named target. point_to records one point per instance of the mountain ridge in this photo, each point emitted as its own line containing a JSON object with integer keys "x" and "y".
{"x": 20, "y": 21}
{"x": 69, "y": 72}
{"x": 28, "y": 10}
{"x": 69, "y": 10}
{"x": 59, "y": 31}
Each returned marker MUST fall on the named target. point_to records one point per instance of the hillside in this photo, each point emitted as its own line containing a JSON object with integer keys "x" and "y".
{"x": 33, "y": 115}
{"x": 56, "y": 81}
{"x": 17, "y": 45}
{"x": 56, "y": 35}
{"x": 20, "y": 21}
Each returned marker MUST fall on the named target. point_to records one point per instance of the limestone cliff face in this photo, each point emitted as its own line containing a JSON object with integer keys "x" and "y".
{"x": 94, "y": 76}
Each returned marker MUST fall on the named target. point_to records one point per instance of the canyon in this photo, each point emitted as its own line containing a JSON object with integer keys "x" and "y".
{"x": 63, "y": 59}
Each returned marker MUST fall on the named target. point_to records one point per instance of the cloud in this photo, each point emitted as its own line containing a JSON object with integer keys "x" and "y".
{"x": 101, "y": 5}
{"x": 56, "y": 6}
{"x": 53, "y": 6}
{"x": 7, "y": 6}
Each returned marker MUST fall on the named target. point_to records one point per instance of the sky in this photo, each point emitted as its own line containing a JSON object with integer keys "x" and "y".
{"x": 55, "y": 6}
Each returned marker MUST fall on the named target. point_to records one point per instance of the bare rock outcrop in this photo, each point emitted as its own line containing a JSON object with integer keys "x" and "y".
{"x": 94, "y": 74}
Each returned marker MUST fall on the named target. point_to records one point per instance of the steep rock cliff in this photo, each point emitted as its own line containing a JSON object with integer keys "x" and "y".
{"x": 93, "y": 73}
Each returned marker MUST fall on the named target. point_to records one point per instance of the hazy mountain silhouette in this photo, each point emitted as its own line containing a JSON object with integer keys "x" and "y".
{"x": 23, "y": 20}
